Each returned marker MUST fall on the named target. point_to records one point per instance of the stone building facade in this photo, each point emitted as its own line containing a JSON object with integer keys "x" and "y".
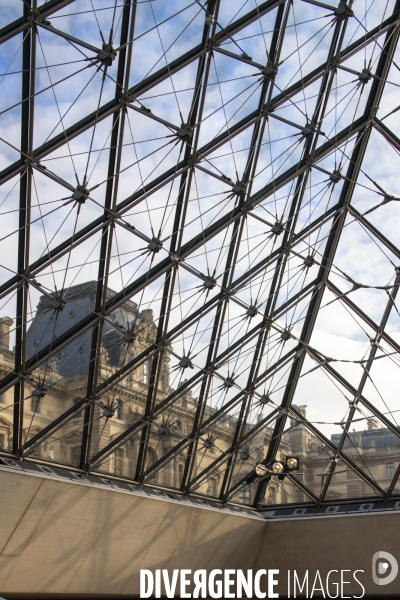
{"x": 57, "y": 385}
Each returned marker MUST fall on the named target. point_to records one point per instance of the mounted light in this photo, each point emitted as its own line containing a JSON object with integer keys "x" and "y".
{"x": 277, "y": 467}
{"x": 292, "y": 463}
{"x": 261, "y": 470}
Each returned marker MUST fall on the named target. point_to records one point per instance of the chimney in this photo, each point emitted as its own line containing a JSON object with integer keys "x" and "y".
{"x": 372, "y": 424}
{"x": 298, "y": 436}
{"x": 5, "y": 324}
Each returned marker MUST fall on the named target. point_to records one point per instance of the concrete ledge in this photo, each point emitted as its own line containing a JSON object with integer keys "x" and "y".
{"x": 64, "y": 540}
{"x": 59, "y": 538}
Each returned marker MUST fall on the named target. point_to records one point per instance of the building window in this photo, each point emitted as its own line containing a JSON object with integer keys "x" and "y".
{"x": 272, "y": 495}
{"x": 77, "y": 414}
{"x": 151, "y": 457}
{"x": 180, "y": 472}
{"x": 146, "y": 372}
{"x": 212, "y": 487}
{"x": 75, "y": 455}
{"x": 118, "y": 464}
{"x": 390, "y": 469}
{"x": 119, "y": 410}
{"x": 2, "y": 440}
{"x": 244, "y": 495}
{"x": 354, "y": 490}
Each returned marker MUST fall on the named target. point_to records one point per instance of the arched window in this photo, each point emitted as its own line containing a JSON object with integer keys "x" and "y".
{"x": 151, "y": 456}
{"x": 119, "y": 413}
{"x": 146, "y": 373}
{"x": 75, "y": 455}
{"x": 118, "y": 461}
{"x": 390, "y": 469}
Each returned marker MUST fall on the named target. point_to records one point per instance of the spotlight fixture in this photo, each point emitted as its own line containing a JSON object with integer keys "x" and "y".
{"x": 277, "y": 467}
{"x": 292, "y": 463}
{"x": 261, "y": 469}
{"x": 281, "y": 469}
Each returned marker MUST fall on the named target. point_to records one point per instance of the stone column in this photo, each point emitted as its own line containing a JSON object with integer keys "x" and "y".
{"x": 5, "y": 324}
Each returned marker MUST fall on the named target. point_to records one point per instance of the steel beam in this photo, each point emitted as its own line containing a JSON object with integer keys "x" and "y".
{"x": 309, "y": 154}
{"x": 25, "y": 22}
{"x": 114, "y": 161}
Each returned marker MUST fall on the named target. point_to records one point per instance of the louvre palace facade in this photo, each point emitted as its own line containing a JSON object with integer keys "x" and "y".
{"x": 372, "y": 449}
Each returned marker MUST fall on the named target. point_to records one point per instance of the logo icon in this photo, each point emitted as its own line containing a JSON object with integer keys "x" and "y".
{"x": 384, "y": 568}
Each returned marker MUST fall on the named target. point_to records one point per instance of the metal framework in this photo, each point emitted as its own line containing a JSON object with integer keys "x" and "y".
{"x": 232, "y": 167}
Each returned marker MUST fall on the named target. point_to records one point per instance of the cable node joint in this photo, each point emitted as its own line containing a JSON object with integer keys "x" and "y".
{"x": 335, "y": 176}
{"x": 107, "y": 55}
{"x": 155, "y": 245}
{"x": 343, "y": 10}
{"x": 186, "y": 363}
{"x": 251, "y": 311}
{"x": 228, "y": 382}
{"x": 309, "y": 261}
{"x": 80, "y": 194}
{"x": 239, "y": 187}
{"x": 270, "y": 70}
{"x": 364, "y": 76}
{"x": 209, "y": 283}
{"x": 277, "y": 229}
{"x": 184, "y": 131}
